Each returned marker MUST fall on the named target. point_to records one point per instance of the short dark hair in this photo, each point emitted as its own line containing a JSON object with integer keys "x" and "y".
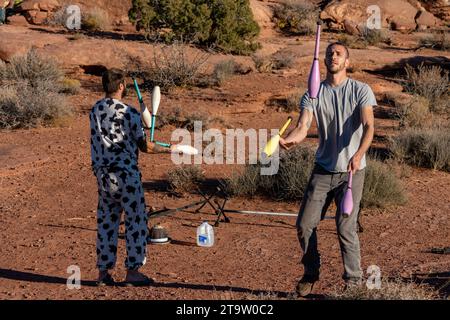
{"x": 338, "y": 43}
{"x": 111, "y": 79}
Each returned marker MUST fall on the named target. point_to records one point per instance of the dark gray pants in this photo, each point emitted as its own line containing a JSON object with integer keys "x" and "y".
{"x": 324, "y": 187}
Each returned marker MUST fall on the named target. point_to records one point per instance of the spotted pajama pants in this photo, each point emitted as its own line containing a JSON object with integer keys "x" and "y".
{"x": 120, "y": 190}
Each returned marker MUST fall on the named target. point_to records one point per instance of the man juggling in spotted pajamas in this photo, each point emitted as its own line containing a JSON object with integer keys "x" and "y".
{"x": 117, "y": 135}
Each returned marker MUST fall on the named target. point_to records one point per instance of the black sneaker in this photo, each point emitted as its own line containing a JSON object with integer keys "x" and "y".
{"x": 305, "y": 285}
{"x": 106, "y": 281}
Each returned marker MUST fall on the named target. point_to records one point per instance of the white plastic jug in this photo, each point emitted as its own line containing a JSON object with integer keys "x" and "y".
{"x": 205, "y": 235}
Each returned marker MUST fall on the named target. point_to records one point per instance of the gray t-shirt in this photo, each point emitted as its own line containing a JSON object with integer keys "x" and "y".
{"x": 337, "y": 111}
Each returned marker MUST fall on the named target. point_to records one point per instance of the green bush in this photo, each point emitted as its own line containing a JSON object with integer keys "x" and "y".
{"x": 30, "y": 95}
{"x": 226, "y": 24}
{"x": 429, "y": 148}
{"x": 297, "y": 17}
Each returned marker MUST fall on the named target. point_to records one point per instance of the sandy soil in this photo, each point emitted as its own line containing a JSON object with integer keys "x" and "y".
{"x": 48, "y": 198}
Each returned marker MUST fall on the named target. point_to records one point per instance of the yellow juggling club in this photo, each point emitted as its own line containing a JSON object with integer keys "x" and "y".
{"x": 272, "y": 145}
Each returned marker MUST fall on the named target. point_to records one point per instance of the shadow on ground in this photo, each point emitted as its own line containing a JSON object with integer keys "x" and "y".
{"x": 440, "y": 281}
{"x": 39, "y": 278}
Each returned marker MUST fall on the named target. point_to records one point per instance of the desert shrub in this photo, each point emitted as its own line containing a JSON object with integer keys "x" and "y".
{"x": 414, "y": 113}
{"x": 28, "y": 107}
{"x": 173, "y": 118}
{"x": 30, "y": 92}
{"x": 431, "y": 83}
{"x": 296, "y": 17}
{"x": 437, "y": 40}
{"x": 185, "y": 178}
{"x": 293, "y": 175}
{"x": 192, "y": 118}
{"x": 245, "y": 184}
{"x": 352, "y": 42}
{"x": 58, "y": 18}
{"x": 288, "y": 183}
{"x": 224, "y": 70}
{"x": 279, "y": 60}
{"x": 382, "y": 188}
{"x": 283, "y": 60}
{"x": 289, "y": 103}
{"x": 429, "y": 148}
{"x": 368, "y": 37}
{"x": 225, "y": 24}
{"x": 293, "y": 102}
{"x": 263, "y": 63}
{"x": 95, "y": 19}
{"x": 33, "y": 70}
{"x": 70, "y": 86}
{"x": 172, "y": 66}
{"x": 396, "y": 289}
{"x": 179, "y": 119}
{"x": 375, "y": 37}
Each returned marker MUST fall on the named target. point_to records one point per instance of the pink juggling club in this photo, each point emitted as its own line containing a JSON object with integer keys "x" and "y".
{"x": 347, "y": 201}
{"x": 314, "y": 74}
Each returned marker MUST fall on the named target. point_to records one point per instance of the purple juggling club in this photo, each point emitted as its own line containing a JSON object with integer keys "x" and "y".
{"x": 314, "y": 74}
{"x": 347, "y": 201}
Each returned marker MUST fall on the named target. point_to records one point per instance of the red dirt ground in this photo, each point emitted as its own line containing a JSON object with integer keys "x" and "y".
{"x": 48, "y": 201}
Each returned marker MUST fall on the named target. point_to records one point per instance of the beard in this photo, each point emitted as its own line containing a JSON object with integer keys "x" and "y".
{"x": 335, "y": 68}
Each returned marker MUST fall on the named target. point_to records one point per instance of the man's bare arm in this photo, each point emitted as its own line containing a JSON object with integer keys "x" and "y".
{"x": 368, "y": 123}
{"x": 299, "y": 133}
{"x": 149, "y": 147}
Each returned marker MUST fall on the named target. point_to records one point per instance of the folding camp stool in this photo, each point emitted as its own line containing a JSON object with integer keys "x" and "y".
{"x": 216, "y": 206}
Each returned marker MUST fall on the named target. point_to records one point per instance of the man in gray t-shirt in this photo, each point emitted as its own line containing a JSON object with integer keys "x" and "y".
{"x": 345, "y": 123}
